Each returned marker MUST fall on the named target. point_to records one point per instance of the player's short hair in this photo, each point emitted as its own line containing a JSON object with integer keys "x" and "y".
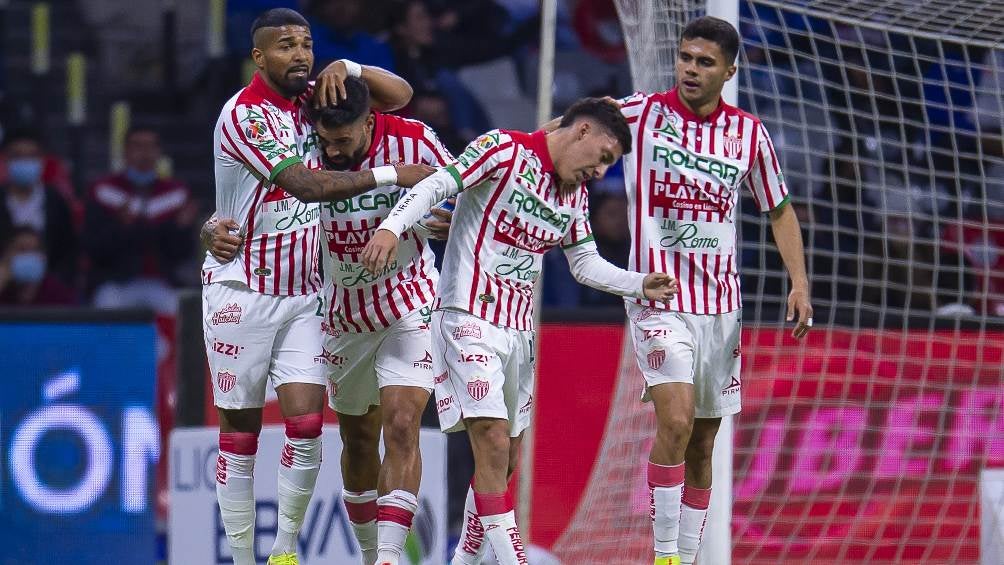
{"x": 354, "y": 106}
{"x": 604, "y": 113}
{"x": 278, "y": 17}
{"x": 715, "y": 30}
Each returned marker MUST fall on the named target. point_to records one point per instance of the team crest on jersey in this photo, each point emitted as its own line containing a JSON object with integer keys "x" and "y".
{"x": 733, "y": 146}
{"x": 229, "y": 314}
{"x": 478, "y": 389}
{"x": 467, "y": 329}
{"x": 656, "y": 358}
{"x": 226, "y": 380}
{"x": 424, "y": 362}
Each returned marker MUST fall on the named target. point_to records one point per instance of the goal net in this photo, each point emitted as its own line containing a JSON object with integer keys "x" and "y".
{"x": 863, "y": 443}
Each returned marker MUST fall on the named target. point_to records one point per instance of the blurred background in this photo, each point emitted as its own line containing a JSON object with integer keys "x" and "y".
{"x": 888, "y": 127}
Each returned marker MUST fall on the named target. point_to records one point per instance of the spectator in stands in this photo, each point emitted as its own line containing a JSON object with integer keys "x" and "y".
{"x": 24, "y": 276}
{"x": 55, "y": 173}
{"x": 337, "y": 30}
{"x": 432, "y": 108}
{"x": 30, "y": 202}
{"x": 428, "y": 50}
{"x": 139, "y": 233}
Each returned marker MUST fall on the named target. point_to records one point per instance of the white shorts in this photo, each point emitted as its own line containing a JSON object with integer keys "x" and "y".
{"x": 482, "y": 371}
{"x": 703, "y": 350}
{"x": 358, "y": 365}
{"x": 253, "y": 337}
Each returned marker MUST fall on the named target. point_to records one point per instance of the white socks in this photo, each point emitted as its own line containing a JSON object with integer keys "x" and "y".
{"x": 472, "y": 547}
{"x": 298, "y": 466}
{"x": 235, "y": 492}
{"x": 395, "y": 511}
{"x": 362, "y": 510}
{"x": 497, "y": 516}
{"x": 666, "y": 485}
{"x": 693, "y": 515}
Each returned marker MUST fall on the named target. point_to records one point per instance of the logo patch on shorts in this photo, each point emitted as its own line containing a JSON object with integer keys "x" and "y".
{"x": 226, "y": 380}
{"x": 440, "y": 379}
{"x": 328, "y": 358}
{"x": 525, "y": 409}
{"x": 467, "y": 329}
{"x": 229, "y": 314}
{"x": 656, "y": 358}
{"x": 647, "y": 313}
{"x": 734, "y": 387}
{"x": 478, "y": 389}
{"x": 649, "y": 334}
{"x": 424, "y": 362}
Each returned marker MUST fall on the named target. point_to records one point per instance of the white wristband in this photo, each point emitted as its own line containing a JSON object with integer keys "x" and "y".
{"x": 353, "y": 68}
{"x": 385, "y": 175}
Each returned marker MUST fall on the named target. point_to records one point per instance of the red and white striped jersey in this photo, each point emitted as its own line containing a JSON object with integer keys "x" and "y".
{"x": 355, "y": 300}
{"x": 508, "y": 214}
{"x": 259, "y": 133}
{"x": 683, "y": 179}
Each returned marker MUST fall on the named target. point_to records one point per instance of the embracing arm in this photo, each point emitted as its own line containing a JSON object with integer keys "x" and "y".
{"x": 322, "y": 186}
{"x": 419, "y": 200}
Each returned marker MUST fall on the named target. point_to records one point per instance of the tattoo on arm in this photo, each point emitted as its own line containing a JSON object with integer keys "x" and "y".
{"x": 322, "y": 186}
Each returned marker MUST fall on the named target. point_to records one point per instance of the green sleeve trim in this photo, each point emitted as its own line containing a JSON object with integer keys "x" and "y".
{"x": 452, "y": 169}
{"x": 781, "y": 204}
{"x": 282, "y": 166}
{"x": 586, "y": 239}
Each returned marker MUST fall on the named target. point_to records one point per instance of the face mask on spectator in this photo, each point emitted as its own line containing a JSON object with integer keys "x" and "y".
{"x": 141, "y": 178}
{"x": 27, "y": 267}
{"x": 25, "y": 171}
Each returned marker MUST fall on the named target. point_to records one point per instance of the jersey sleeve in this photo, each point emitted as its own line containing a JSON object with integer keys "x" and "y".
{"x": 765, "y": 179}
{"x": 580, "y": 231}
{"x": 249, "y": 137}
{"x": 431, "y": 151}
{"x": 632, "y": 106}
{"x": 487, "y": 157}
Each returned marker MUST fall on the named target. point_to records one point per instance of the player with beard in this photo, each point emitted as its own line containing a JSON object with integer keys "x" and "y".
{"x": 377, "y": 340}
{"x": 259, "y": 310}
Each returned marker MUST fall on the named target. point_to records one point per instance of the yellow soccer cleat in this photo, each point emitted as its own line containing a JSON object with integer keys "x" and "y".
{"x": 290, "y": 559}
{"x": 668, "y": 560}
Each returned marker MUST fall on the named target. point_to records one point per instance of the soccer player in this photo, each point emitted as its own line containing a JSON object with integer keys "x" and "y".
{"x": 259, "y": 310}
{"x": 693, "y": 154}
{"x": 377, "y": 341}
{"x": 520, "y": 195}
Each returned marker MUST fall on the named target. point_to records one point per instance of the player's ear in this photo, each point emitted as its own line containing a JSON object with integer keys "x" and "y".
{"x": 583, "y": 129}
{"x": 258, "y": 56}
{"x": 730, "y": 73}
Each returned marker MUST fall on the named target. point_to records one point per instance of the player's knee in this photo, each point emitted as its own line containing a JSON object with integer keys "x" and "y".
{"x": 492, "y": 438}
{"x": 675, "y": 428}
{"x": 306, "y": 426}
{"x": 400, "y": 431}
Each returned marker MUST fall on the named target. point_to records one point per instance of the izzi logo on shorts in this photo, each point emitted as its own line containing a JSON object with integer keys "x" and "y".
{"x": 229, "y": 314}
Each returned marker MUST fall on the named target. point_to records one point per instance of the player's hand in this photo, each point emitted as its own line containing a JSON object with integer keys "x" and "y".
{"x": 379, "y": 252}
{"x": 660, "y": 287}
{"x": 223, "y": 240}
{"x": 410, "y": 175}
{"x": 440, "y": 227}
{"x": 798, "y": 301}
{"x": 329, "y": 87}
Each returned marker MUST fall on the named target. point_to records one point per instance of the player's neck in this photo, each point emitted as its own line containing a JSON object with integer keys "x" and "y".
{"x": 275, "y": 87}
{"x": 701, "y": 109}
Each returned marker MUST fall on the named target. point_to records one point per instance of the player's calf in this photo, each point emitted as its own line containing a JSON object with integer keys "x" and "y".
{"x": 490, "y": 442}
{"x": 360, "y": 469}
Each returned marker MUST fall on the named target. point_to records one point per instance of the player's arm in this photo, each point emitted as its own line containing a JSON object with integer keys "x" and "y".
{"x": 788, "y": 237}
{"x": 388, "y": 92}
{"x": 310, "y": 185}
{"x": 771, "y": 195}
{"x": 481, "y": 160}
{"x": 590, "y": 269}
{"x": 436, "y": 224}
